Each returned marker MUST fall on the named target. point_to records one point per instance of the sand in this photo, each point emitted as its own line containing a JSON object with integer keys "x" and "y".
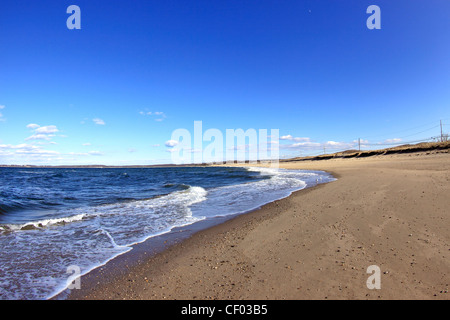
{"x": 391, "y": 211}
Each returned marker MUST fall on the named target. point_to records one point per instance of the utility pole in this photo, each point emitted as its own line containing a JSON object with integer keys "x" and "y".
{"x": 442, "y": 136}
{"x": 359, "y": 144}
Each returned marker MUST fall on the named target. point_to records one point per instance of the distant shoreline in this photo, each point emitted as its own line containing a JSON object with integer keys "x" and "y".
{"x": 419, "y": 147}
{"x": 101, "y": 166}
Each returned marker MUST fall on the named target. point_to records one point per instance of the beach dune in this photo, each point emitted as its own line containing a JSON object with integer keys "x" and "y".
{"x": 388, "y": 211}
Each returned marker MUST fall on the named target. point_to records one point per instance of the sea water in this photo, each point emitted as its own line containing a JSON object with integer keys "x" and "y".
{"x": 54, "y": 218}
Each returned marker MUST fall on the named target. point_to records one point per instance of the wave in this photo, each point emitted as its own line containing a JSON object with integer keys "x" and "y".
{"x": 11, "y": 207}
{"x": 180, "y": 186}
{"x": 4, "y": 209}
{"x": 176, "y": 200}
{"x": 248, "y": 196}
{"x": 40, "y": 224}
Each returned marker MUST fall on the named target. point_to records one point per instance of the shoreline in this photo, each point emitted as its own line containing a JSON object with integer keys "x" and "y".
{"x": 315, "y": 244}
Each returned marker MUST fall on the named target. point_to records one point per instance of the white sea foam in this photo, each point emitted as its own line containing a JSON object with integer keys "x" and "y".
{"x": 235, "y": 199}
{"x": 39, "y": 224}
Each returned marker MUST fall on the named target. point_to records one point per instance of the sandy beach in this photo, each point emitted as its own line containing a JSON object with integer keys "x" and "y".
{"x": 391, "y": 211}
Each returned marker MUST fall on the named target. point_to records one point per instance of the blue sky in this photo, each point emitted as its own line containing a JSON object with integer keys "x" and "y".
{"x": 114, "y": 91}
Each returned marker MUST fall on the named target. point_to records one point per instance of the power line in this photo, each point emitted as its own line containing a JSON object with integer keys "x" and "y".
{"x": 410, "y": 135}
{"x": 400, "y": 131}
{"x": 397, "y": 143}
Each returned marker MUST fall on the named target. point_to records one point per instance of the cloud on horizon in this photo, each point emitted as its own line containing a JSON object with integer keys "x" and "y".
{"x": 99, "y": 121}
{"x": 159, "y": 116}
{"x": 291, "y": 138}
{"x": 25, "y": 149}
{"x": 171, "y": 143}
{"x": 1, "y": 115}
{"x": 394, "y": 140}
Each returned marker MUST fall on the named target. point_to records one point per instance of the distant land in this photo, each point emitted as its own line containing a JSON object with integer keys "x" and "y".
{"x": 408, "y": 148}
{"x": 100, "y": 166}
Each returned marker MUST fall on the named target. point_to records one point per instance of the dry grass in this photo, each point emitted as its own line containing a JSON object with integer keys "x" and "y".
{"x": 407, "y": 148}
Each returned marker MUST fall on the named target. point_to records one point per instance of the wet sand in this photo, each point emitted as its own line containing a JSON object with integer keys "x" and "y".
{"x": 391, "y": 211}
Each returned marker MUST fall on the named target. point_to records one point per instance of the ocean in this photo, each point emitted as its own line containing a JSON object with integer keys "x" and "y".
{"x": 55, "y": 218}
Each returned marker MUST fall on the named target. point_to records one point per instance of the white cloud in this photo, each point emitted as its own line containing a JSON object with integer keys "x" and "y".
{"x": 195, "y": 150}
{"x": 156, "y": 145}
{"x": 38, "y": 152}
{"x": 339, "y": 146}
{"x": 1, "y": 115}
{"x": 26, "y": 153}
{"x": 99, "y": 121}
{"x": 291, "y": 138}
{"x": 24, "y": 148}
{"x": 160, "y": 115}
{"x": 312, "y": 146}
{"x": 41, "y": 133}
{"x": 9, "y": 146}
{"x": 2, "y": 107}
{"x": 395, "y": 140}
{"x": 171, "y": 143}
{"x": 40, "y": 137}
{"x": 84, "y": 120}
{"x": 95, "y": 153}
{"x": 86, "y": 144}
{"x": 47, "y": 130}
{"x": 361, "y": 141}
{"x": 90, "y": 153}
{"x": 33, "y": 126}
{"x": 305, "y": 144}
{"x": 301, "y": 146}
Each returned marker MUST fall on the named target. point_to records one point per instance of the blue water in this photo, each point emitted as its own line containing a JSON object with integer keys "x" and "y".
{"x": 51, "y": 219}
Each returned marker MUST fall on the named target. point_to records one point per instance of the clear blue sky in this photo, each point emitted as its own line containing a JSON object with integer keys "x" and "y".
{"x": 114, "y": 91}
